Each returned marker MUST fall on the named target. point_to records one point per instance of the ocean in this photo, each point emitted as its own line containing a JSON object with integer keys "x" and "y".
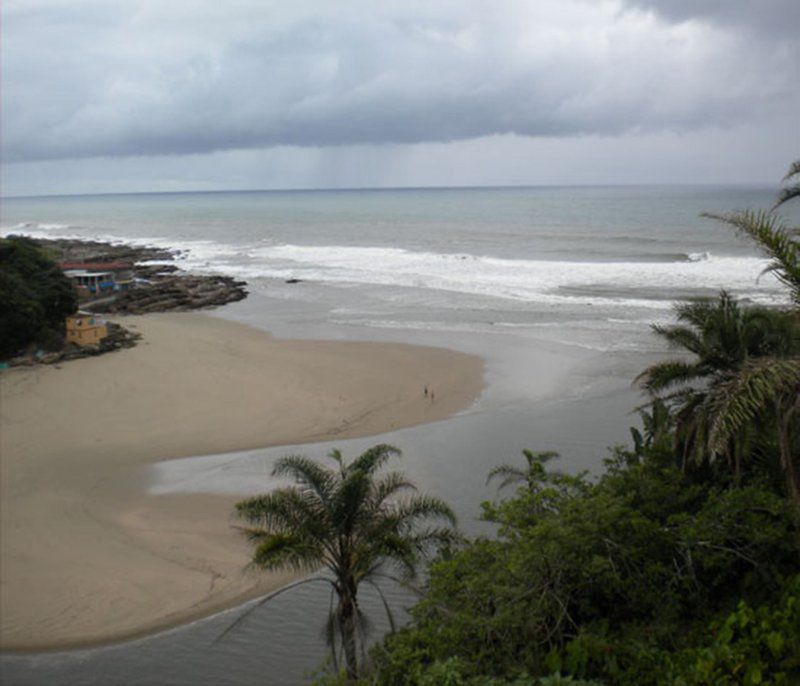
{"x": 592, "y": 259}
{"x": 555, "y": 287}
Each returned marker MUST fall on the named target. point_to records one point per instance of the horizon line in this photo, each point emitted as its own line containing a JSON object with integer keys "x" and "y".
{"x": 675, "y": 184}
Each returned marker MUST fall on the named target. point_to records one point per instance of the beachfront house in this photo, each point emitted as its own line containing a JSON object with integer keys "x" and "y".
{"x": 95, "y": 279}
{"x": 84, "y": 328}
{"x": 90, "y": 284}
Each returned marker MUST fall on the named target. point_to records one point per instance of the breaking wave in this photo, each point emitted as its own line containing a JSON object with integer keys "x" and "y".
{"x": 649, "y": 281}
{"x": 546, "y": 281}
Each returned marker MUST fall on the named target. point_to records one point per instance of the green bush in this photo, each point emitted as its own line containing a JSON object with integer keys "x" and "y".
{"x": 610, "y": 581}
{"x": 35, "y": 297}
{"x": 758, "y": 645}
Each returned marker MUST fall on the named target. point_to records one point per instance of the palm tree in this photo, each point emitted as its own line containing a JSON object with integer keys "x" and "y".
{"x": 350, "y": 522}
{"x": 770, "y": 384}
{"x": 532, "y": 475}
{"x": 657, "y": 425}
{"x": 715, "y": 396}
{"x": 747, "y": 366}
{"x": 766, "y": 388}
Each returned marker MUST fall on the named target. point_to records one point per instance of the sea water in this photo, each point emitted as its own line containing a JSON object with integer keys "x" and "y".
{"x": 521, "y": 276}
{"x": 594, "y": 259}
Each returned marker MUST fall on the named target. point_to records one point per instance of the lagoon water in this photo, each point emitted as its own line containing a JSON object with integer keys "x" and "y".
{"x": 555, "y": 287}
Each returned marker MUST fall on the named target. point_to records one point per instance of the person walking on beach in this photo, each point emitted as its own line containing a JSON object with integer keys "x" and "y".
{"x": 425, "y": 390}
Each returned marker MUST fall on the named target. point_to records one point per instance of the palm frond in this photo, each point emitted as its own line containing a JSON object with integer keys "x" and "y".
{"x": 794, "y": 170}
{"x": 774, "y": 239}
{"x": 281, "y": 510}
{"x": 438, "y": 536}
{"x": 283, "y": 551}
{"x": 390, "y": 485}
{"x": 787, "y": 193}
{"x": 387, "y": 609}
{"x": 747, "y": 393}
{"x": 412, "y": 508}
{"x": 261, "y": 601}
{"x": 307, "y": 472}
{"x": 394, "y": 548}
{"x": 541, "y": 456}
{"x": 348, "y": 501}
{"x": 374, "y": 458}
{"x": 665, "y": 375}
{"x": 681, "y": 337}
{"x": 509, "y": 473}
{"x": 698, "y": 311}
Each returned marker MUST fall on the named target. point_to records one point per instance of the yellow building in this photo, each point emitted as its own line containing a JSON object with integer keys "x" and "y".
{"x": 85, "y": 329}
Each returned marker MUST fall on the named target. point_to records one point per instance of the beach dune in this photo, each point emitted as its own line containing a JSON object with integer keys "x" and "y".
{"x": 86, "y": 556}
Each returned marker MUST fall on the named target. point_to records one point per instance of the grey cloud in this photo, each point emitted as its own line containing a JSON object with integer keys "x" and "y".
{"x": 141, "y": 79}
{"x": 776, "y": 18}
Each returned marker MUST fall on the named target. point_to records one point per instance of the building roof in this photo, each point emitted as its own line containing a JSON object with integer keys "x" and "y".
{"x": 96, "y": 266}
{"x": 80, "y": 314}
{"x": 84, "y": 272}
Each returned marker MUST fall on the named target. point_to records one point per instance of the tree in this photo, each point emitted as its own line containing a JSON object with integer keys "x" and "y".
{"x": 744, "y": 366}
{"x": 657, "y": 427}
{"x": 35, "y": 296}
{"x": 746, "y": 386}
{"x": 531, "y": 476}
{"x": 350, "y": 522}
{"x": 600, "y": 584}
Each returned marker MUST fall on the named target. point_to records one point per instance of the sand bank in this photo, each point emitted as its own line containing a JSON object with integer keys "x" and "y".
{"x": 85, "y": 555}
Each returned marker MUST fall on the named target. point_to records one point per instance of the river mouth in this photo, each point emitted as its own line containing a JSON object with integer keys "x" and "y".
{"x": 581, "y": 404}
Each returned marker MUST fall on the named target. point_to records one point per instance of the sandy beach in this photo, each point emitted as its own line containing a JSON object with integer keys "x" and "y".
{"x": 86, "y": 556}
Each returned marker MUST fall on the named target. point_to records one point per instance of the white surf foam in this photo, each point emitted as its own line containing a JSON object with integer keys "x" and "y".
{"x": 516, "y": 279}
{"x": 644, "y": 284}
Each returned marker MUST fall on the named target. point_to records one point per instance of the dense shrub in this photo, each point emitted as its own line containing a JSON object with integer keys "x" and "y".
{"x": 35, "y": 296}
{"x": 616, "y": 581}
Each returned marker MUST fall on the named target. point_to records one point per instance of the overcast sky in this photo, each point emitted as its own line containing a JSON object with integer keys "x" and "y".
{"x": 102, "y": 96}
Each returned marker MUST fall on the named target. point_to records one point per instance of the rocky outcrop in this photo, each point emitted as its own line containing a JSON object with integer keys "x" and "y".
{"x": 158, "y": 288}
{"x": 174, "y": 292}
{"x": 153, "y": 271}
{"x": 118, "y": 337}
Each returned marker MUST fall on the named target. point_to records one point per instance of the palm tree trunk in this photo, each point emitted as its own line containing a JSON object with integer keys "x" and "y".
{"x": 792, "y": 476}
{"x": 346, "y": 614}
{"x": 784, "y": 418}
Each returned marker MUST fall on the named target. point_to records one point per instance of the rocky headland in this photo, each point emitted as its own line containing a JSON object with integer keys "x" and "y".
{"x": 160, "y": 287}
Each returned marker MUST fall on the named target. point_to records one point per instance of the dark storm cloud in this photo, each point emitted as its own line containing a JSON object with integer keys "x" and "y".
{"x": 775, "y": 18}
{"x": 147, "y": 78}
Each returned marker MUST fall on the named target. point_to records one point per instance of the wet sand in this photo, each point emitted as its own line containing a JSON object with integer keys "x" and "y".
{"x": 86, "y": 556}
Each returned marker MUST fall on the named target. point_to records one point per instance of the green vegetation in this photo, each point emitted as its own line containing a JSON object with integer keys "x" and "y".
{"x": 739, "y": 393}
{"x": 35, "y": 296}
{"x": 614, "y": 581}
{"x": 349, "y": 522}
{"x": 681, "y": 564}
{"x": 531, "y": 476}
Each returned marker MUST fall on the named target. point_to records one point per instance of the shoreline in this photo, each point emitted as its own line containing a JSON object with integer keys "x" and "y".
{"x": 87, "y": 557}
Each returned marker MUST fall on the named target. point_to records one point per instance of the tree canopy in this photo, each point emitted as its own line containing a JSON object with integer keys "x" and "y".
{"x": 35, "y": 296}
